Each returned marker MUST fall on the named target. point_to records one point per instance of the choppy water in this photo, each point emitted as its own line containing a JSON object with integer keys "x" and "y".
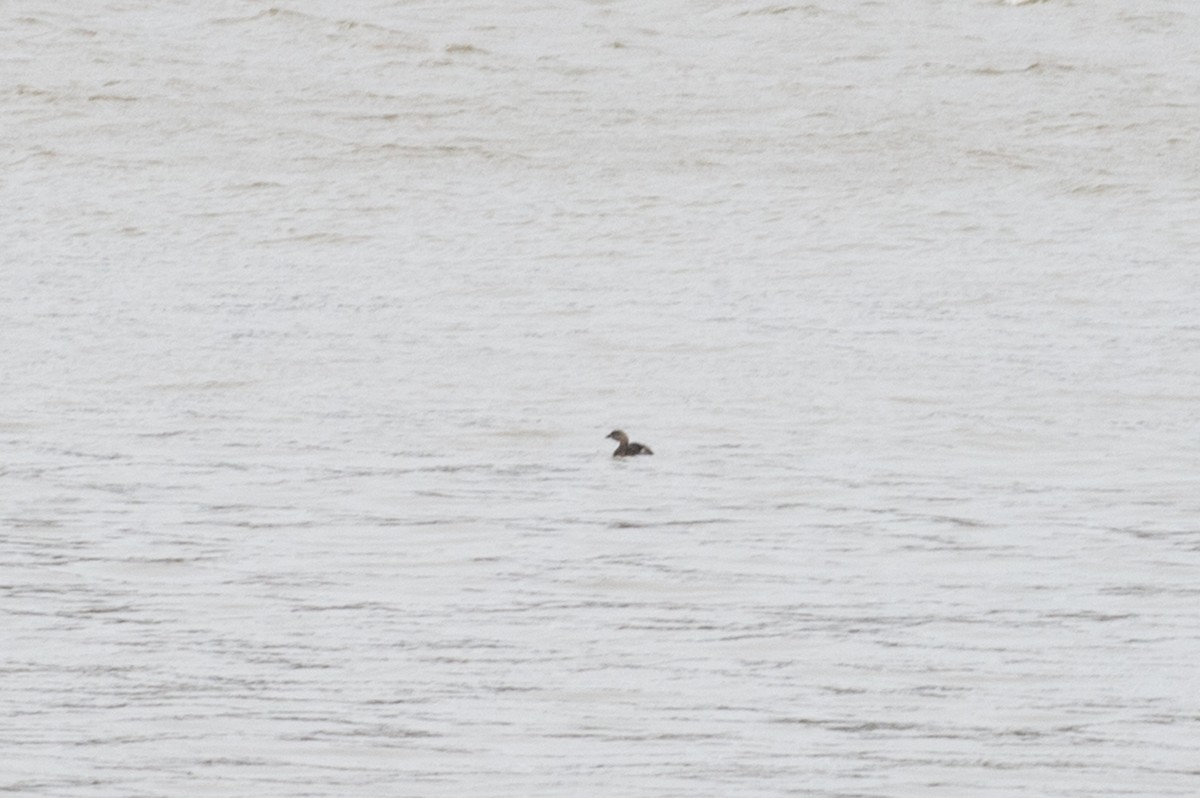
{"x": 315, "y": 316}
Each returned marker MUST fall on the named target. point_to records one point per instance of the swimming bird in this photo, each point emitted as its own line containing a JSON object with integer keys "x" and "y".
{"x": 627, "y": 449}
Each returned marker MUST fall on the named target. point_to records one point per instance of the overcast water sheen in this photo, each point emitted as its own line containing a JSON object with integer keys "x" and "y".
{"x": 315, "y": 315}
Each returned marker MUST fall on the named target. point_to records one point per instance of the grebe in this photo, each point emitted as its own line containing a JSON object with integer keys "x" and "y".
{"x": 627, "y": 449}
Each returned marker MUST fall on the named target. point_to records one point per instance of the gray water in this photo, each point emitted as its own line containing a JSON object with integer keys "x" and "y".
{"x": 315, "y": 316}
